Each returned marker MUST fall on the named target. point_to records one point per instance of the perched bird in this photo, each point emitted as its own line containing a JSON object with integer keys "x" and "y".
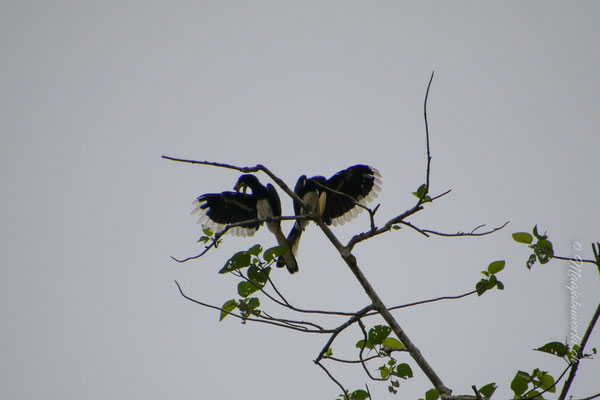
{"x": 221, "y": 209}
{"x": 334, "y": 199}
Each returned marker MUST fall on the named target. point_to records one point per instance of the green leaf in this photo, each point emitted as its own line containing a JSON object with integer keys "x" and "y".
{"x": 557, "y": 348}
{"x": 547, "y": 383}
{"x": 329, "y": 352}
{"x": 432, "y": 394}
{"x": 361, "y": 343}
{"x": 207, "y": 231}
{"x": 519, "y": 383}
{"x": 274, "y": 252}
{"x": 396, "y": 227}
{"x": 384, "y": 372}
{"x": 393, "y": 343}
{"x": 496, "y": 267}
{"x": 488, "y": 390}
{"x": 421, "y": 191}
{"x": 245, "y": 288}
{"x": 226, "y": 308}
{"x": 522, "y": 237}
{"x": 481, "y": 287}
{"x": 537, "y": 235}
{"x": 378, "y": 334}
{"x": 500, "y": 285}
{"x": 239, "y": 260}
{"x": 543, "y": 250}
{"x": 255, "y": 250}
{"x": 403, "y": 371}
{"x": 253, "y": 303}
{"x": 258, "y": 275}
{"x": 249, "y": 306}
{"x": 359, "y": 395}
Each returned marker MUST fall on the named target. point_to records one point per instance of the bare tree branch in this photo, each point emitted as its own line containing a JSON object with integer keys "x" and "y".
{"x": 285, "y": 303}
{"x": 264, "y": 321}
{"x": 256, "y": 168}
{"x": 422, "y": 199}
{"x": 416, "y": 303}
{"x": 426, "y": 232}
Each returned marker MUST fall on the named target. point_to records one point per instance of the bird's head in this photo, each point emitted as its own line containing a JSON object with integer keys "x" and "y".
{"x": 246, "y": 181}
{"x": 316, "y": 183}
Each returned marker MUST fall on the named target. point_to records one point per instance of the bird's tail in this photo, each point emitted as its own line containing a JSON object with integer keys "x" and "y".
{"x": 288, "y": 259}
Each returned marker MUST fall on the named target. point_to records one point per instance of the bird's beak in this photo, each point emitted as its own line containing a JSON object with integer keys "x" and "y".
{"x": 239, "y": 186}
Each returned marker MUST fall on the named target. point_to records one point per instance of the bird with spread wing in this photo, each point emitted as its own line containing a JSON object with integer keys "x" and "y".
{"x": 220, "y": 210}
{"x": 336, "y": 200}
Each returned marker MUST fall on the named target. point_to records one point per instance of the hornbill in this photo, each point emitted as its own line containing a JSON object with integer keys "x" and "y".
{"x": 334, "y": 200}
{"x": 221, "y": 209}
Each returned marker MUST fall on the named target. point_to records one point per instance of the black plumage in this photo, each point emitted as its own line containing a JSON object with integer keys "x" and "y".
{"x": 356, "y": 184}
{"x": 334, "y": 199}
{"x": 221, "y": 209}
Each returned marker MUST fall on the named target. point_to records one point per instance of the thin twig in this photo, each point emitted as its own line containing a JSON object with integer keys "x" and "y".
{"x": 285, "y": 303}
{"x": 477, "y": 394}
{"x": 422, "y": 199}
{"x": 293, "y": 322}
{"x": 355, "y": 317}
{"x": 591, "y": 397}
{"x": 226, "y": 228}
{"x": 344, "y": 391}
{"x": 362, "y": 349}
{"x": 264, "y": 321}
{"x": 458, "y": 234}
{"x": 416, "y": 303}
{"x": 579, "y": 260}
{"x": 353, "y": 361}
{"x": 368, "y": 392}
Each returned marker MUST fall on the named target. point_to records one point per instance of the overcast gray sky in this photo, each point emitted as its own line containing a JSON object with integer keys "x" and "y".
{"x": 93, "y": 93}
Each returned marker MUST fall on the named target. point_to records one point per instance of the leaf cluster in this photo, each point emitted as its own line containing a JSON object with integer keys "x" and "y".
{"x": 543, "y": 250}
{"x": 258, "y": 264}
{"x": 531, "y": 386}
{"x": 490, "y": 281}
{"x": 378, "y": 340}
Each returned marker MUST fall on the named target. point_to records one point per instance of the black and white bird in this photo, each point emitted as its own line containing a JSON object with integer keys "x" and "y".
{"x": 334, "y": 200}
{"x": 218, "y": 210}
